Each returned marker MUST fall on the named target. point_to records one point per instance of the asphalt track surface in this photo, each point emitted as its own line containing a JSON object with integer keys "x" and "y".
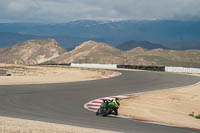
{"x": 63, "y": 103}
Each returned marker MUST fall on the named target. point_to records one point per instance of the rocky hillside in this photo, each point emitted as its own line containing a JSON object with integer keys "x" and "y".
{"x": 2, "y": 49}
{"x": 92, "y": 52}
{"x": 161, "y": 57}
{"x": 49, "y": 51}
{"x": 186, "y": 58}
{"x": 137, "y": 50}
{"x": 31, "y": 52}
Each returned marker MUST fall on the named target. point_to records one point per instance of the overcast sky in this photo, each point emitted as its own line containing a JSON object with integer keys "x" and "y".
{"x": 60, "y": 11}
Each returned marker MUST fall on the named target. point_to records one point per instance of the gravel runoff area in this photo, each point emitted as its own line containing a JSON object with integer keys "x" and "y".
{"x": 38, "y": 75}
{"x": 12, "y": 125}
{"x": 171, "y": 106}
{"x": 47, "y": 74}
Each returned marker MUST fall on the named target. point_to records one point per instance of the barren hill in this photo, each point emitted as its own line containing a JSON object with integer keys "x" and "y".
{"x": 49, "y": 51}
{"x": 2, "y": 49}
{"x": 31, "y": 52}
{"x": 92, "y": 52}
{"x": 144, "y": 44}
{"x": 186, "y": 58}
{"x": 161, "y": 57}
{"x": 137, "y": 50}
{"x": 102, "y": 53}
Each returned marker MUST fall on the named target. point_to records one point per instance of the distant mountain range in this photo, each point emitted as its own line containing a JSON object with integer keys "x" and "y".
{"x": 144, "y": 44}
{"x": 182, "y": 45}
{"x": 49, "y": 51}
{"x": 8, "y": 39}
{"x": 170, "y": 34}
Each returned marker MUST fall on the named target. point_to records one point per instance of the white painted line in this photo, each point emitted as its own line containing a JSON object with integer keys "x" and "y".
{"x": 94, "y": 104}
{"x": 115, "y": 74}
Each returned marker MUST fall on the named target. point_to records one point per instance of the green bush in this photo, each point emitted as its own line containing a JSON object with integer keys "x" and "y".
{"x": 198, "y": 116}
{"x": 192, "y": 114}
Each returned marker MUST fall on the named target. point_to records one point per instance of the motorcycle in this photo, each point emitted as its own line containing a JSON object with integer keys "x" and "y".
{"x": 107, "y": 107}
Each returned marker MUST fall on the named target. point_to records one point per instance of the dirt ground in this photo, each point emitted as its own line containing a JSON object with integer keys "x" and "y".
{"x": 171, "y": 106}
{"x": 47, "y": 74}
{"x": 12, "y": 125}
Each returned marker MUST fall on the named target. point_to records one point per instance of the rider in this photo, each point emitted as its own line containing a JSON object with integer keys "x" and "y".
{"x": 117, "y": 104}
{"x": 105, "y": 103}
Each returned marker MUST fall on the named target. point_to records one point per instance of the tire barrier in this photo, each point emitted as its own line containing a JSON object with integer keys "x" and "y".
{"x": 4, "y": 73}
{"x": 55, "y": 64}
{"x": 151, "y": 68}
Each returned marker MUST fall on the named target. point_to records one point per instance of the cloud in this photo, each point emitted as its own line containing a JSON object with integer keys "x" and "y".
{"x": 56, "y": 11}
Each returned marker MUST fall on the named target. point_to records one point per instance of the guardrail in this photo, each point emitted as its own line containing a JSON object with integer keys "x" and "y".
{"x": 182, "y": 70}
{"x": 105, "y": 66}
{"x": 150, "y": 68}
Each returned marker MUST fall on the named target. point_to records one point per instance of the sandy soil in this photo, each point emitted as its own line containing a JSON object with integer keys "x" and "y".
{"x": 12, "y": 125}
{"x": 171, "y": 106}
{"x": 46, "y": 74}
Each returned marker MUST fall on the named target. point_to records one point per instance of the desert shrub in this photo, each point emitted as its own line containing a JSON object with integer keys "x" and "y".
{"x": 195, "y": 116}
{"x": 198, "y": 116}
{"x": 191, "y": 114}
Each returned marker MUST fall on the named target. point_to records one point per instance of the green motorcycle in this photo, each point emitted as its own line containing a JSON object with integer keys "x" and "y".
{"x": 108, "y": 107}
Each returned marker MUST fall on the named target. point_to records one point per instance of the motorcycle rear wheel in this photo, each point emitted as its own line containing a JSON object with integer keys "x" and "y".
{"x": 107, "y": 112}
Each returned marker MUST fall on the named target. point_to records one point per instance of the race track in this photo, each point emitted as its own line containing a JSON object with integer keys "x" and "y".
{"x": 63, "y": 102}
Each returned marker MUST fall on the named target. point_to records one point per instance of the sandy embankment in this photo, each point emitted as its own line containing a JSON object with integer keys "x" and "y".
{"x": 41, "y": 74}
{"x": 168, "y": 106}
{"x": 11, "y": 125}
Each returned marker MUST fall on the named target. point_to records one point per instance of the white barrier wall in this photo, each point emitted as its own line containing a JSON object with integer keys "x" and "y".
{"x": 182, "y": 70}
{"x": 105, "y": 66}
